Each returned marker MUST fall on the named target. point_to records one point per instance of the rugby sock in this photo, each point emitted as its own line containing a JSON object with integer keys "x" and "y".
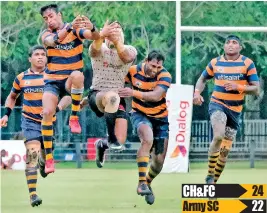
{"x": 110, "y": 121}
{"x": 213, "y": 157}
{"x": 221, "y": 161}
{"x": 152, "y": 173}
{"x": 219, "y": 167}
{"x": 142, "y": 163}
{"x": 31, "y": 176}
{"x": 76, "y": 95}
{"x": 47, "y": 132}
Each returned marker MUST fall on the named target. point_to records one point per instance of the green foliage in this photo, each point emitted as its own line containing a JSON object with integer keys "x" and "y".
{"x": 224, "y": 13}
{"x": 147, "y": 25}
{"x": 198, "y": 48}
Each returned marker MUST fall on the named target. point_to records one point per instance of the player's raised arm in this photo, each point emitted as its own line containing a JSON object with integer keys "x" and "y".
{"x": 50, "y": 39}
{"x": 107, "y": 30}
{"x": 126, "y": 53}
{"x": 53, "y": 18}
{"x": 89, "y": 30}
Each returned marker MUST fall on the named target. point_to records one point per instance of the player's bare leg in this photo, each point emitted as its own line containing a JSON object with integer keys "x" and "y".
{"x": 218, "y": 122}
{"x": 75, "y": 84}
{"x": 226, "y": 146}
{"x": 158, "y": 155}
{"x": 145, "y": 134}
{"x": 50, "y": 102}
{"x": 121, "y": 126}
{"x": 32, "y": 154}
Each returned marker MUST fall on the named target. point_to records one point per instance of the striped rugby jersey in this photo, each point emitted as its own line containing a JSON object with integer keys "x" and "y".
{"x": 241, "y": 71}
{"x": 136, "y": 76}
{"x": 31, "y": 85}
{"x": 64, "y": 57}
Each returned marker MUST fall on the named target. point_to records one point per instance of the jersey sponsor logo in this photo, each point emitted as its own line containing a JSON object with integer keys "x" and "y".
{"x": 106, "y": 64}
{"x": 33, "y": 90}
{"x": 68, "y": 46}
{"x": 236, "y": 77}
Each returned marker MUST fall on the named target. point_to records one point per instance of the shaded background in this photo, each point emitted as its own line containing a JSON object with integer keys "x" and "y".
{"x": 198, "y": 48}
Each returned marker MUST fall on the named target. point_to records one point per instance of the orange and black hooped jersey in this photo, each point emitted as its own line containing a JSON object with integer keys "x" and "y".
{"x": 64, "y": 57}
{"x": 241, "y": 71}
{"x": 31, "y": 85}
{"x": 136, "y": 76}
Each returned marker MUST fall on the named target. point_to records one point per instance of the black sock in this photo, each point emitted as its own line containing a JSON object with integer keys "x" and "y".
{"x": 110, "y": 121}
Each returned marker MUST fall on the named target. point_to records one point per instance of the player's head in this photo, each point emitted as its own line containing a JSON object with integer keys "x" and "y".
{"x": 52, "y": 16}
{"x": 154, "y": 63}
{"x": 232, "y": 45}
{"x": 38, "y": 56}
{"x": 120, "y": 33}
{"x": 3, "y": 153}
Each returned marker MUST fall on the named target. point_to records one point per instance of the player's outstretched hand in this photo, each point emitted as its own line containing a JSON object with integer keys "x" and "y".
{"x": 109, "y": 29}
{"x": 87, "y": 22}
{"x": 3, "y": 121}
{"x": 78, "y": 22}
{"x": 116, "y": 37}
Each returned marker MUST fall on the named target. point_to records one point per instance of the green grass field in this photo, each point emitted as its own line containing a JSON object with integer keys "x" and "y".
{"x": 111, "y": 189}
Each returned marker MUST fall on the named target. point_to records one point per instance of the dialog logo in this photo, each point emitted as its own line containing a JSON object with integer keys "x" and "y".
{"x": 178, "y": 150}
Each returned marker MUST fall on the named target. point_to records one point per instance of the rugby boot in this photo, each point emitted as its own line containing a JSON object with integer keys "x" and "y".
{"x": 49, "y": 166}
{"x": 143, "y": 189}
{"x": 101, "y": 146}
{"x": 74, "y": 125}
{"x": 35, "y": 200}
{"x": 150, "y": 199}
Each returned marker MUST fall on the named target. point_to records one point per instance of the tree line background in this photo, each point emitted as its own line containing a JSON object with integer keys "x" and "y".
{"x": 198, "y": 48}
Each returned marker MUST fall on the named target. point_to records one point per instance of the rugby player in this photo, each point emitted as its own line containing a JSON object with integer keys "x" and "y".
{"x": 235, "y": 75}
{"x": 64, "y": 43}
{"x": 111, "y": 61}
{"x": 150, "y": 82}
{"x": 30, "y": 84}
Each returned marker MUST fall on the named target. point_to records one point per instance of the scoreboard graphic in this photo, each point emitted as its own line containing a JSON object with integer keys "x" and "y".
{"x": 224, "y": 198}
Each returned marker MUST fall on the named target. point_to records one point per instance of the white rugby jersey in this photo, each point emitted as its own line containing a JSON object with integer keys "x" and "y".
{"x": 109, "y": 70}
